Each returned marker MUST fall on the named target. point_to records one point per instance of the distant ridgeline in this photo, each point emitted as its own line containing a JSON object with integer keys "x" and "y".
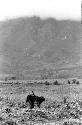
{"x": 30, "y": 44}
{"x": 44, "y": 74}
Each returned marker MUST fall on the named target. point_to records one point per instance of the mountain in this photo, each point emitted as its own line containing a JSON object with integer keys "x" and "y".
{"x": 30, "y": 44}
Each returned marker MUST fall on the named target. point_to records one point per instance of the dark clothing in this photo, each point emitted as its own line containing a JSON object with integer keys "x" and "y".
{"x": 33, "y": 98}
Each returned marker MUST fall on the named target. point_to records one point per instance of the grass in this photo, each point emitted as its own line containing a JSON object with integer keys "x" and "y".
{"x": 16, "y": 111}
{"x": 55, "y": 110}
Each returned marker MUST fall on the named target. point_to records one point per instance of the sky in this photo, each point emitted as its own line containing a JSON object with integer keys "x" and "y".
{"x": 60, "y": 9}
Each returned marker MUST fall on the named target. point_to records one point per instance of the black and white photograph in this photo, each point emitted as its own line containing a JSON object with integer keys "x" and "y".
{"x": 40, "y": 62}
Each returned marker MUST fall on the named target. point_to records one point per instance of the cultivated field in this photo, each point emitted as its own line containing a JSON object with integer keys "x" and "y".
{"x": 54, "y": 111}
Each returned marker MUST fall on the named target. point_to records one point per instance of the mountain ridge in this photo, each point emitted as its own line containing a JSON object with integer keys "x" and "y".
{"x": 29, "y": 41}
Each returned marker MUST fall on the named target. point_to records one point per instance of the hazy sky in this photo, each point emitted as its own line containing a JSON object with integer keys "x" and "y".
{"x": 45, "y": 8}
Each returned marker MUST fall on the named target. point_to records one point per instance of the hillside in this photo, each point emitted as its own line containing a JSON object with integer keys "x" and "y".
{"x": 30, "y": 44}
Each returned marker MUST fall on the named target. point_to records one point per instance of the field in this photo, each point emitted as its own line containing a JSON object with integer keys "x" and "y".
{"x": 33, "y": 48}
{"x": 14, "y": 110}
